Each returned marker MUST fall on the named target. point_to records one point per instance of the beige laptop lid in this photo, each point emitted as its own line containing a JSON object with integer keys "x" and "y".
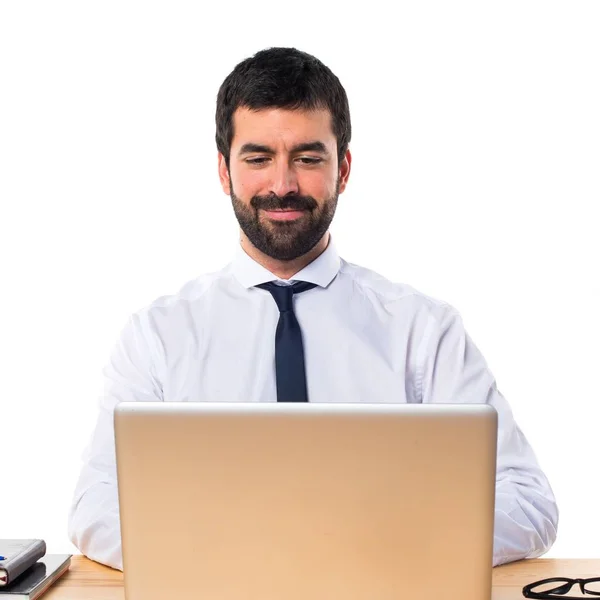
{"x": 263, "y": 501}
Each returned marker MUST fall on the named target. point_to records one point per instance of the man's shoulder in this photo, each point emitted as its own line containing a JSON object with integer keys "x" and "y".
{"x": 392, "y": 294}
{"x": 189, "y": 293}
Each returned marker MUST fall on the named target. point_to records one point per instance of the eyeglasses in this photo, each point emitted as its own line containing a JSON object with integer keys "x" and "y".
{"x": 557, "y": 587}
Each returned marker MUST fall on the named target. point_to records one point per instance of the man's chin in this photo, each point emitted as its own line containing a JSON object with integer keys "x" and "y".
{"x": 284, "y": 249}
{"x": 284, "y": 234}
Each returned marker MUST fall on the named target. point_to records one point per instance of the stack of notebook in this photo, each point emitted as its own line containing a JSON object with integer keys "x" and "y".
{"x": 26, "y": 571}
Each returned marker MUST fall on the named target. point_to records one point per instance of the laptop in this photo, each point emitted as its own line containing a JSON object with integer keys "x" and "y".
{"x": 268, "y": 501}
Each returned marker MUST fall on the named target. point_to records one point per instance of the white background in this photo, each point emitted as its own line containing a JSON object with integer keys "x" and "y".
{"x": 476, "y": 145}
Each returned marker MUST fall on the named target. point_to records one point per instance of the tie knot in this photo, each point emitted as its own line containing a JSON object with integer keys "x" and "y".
{"x": 284, "y": 294}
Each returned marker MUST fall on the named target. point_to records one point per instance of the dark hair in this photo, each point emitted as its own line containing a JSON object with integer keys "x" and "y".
{"x": 282, "y": 78}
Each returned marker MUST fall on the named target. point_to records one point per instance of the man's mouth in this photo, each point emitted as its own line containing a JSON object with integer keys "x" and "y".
{"x": 285, "y": 214}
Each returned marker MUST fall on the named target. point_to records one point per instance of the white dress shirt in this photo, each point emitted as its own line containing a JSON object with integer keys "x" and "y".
{"x": 366, "y": 339}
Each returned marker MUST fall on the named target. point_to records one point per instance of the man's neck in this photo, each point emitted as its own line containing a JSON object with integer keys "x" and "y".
{"x": 284, "y": 269}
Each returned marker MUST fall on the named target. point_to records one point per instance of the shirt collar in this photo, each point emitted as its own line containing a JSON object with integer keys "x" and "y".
{"x": 320, "y": 271}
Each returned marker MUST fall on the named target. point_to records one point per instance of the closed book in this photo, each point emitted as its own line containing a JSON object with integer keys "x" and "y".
{"x": 16, "y": 556}
{"x": 37, "y": 579}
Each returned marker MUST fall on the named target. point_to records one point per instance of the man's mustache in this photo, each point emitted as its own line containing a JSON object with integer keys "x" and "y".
{"x": 290, "y": 202}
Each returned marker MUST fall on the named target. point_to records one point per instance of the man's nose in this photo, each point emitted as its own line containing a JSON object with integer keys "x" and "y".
{"x": 285, "y": 180}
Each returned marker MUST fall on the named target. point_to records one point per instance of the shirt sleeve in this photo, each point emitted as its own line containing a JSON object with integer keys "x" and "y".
{"x": 454, "y": 370}
{"x": 94, "y": 526}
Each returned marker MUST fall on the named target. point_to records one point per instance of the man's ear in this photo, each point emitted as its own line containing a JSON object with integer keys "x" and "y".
{"x": 224, "y": 175}
{"x": 344, "y": 170}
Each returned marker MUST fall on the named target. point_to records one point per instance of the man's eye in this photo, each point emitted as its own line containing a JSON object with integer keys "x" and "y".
{"x": 310, "y": 160}
{"x": 259, "y": 160}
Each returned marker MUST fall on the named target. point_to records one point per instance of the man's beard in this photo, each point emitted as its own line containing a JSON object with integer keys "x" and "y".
{"x": 285, "y": 240}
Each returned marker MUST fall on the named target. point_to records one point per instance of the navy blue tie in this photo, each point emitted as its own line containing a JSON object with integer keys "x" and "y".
{"x": 289, "y": 351}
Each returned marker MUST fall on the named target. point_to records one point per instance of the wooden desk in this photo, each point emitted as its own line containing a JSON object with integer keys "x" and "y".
{"x": 87, "y": 580}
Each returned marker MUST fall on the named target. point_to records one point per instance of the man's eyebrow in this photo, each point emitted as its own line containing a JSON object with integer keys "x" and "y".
{"x": 304, "y": 147}
{"x": 250, "y": 147}
{"x": 310, "y": 147}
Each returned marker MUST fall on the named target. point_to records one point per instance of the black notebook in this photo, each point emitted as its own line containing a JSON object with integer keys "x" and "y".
{"x": 37, "y": 579}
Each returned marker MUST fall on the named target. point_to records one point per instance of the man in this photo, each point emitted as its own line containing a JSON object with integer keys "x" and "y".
{"x": 253, "y": 332}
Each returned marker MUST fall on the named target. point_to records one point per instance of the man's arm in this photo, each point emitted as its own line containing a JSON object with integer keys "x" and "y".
{"x": 526, "y": 516}
{"x": 94, "y": 525}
